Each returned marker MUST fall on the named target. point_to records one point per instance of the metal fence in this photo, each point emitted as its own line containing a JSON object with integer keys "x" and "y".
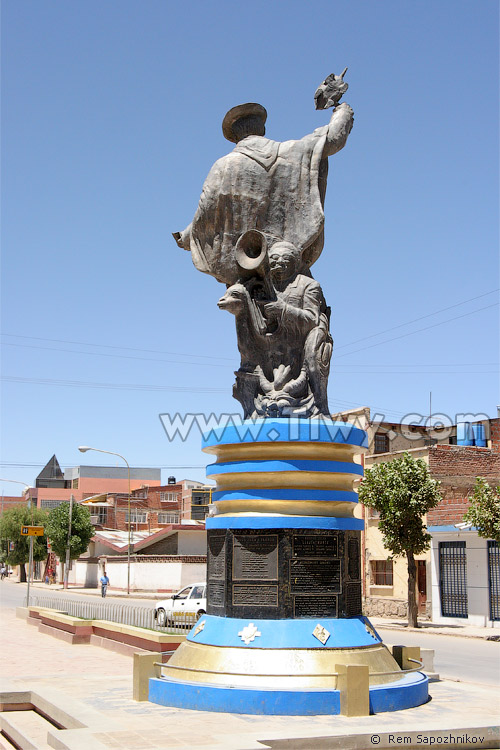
{"x": 125, "y": 614}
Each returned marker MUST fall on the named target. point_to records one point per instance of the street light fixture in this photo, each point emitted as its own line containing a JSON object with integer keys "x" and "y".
{"x": 30, "y": 563}
{"x": 84, "y": 449}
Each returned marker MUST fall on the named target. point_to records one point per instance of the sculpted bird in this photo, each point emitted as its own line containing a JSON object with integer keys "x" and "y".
{"x": 331, "y": 90}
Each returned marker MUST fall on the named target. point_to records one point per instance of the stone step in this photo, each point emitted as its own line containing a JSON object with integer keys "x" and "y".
{"x": 5, "y": 744}
{"x": 25, "y": 729}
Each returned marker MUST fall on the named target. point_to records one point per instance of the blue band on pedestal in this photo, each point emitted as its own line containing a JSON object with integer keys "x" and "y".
{"x": 334, "y": 496}
{"x": 284, "y": 522}
{"x": 318, "y": 430}
{"x": 236, "y": 467}
{"x": 347, "y": 632}
{"x": 409, "y": 691}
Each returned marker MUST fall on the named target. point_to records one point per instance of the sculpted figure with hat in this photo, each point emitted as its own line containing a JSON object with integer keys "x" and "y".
{"x": 259, "y": 228}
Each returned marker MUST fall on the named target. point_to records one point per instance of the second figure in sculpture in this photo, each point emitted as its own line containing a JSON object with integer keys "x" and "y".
{"x": 258, "y": 229}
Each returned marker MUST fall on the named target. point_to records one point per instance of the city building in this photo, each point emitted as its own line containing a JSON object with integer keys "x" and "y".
{"x": 53, "y": 486}
{"x": 459, "y": 578}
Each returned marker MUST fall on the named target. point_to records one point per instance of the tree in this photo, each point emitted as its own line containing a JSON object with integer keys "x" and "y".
{"x": 402, "y": 491}
{"x": 82, "y": 530}
{"x": 11, "y": 521}
{"x": 484, "y": 510}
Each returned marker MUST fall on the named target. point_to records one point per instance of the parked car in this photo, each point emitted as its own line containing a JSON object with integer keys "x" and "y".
{"x": 185, "y": 607}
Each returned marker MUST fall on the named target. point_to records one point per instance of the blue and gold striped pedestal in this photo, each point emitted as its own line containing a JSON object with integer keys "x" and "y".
{"x": 284, "y": 579}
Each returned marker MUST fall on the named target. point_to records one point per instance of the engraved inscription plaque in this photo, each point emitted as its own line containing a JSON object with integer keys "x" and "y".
{"x": 314, "y": 606}
{"x": 216, "y": 556}
{"x": 353, "y": 559}
{"x": 216, "y": 596}
{"x": 255, "y": 557}
{"x": 315, "y": 545}
{"x": 352, "y": 599}
{"x": 253, "y": 595}
{"x": 310, "y": 575}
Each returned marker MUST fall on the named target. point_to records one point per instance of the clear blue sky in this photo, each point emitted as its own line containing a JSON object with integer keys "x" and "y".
{"x": 111, "y": 119}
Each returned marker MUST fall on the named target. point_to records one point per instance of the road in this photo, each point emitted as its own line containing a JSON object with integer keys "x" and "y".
{"x": 456, "y": 657}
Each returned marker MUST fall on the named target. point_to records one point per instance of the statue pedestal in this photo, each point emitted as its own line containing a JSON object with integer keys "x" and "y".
{"x": 284, "y": 580}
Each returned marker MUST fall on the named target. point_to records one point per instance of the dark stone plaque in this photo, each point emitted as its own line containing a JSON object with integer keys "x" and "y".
{"x": 309, "y": 575}
{"x": 314, "y": 606}
{"x": 315, "y": 545}
{"x": 353, "y": 559}
{"x": 216, "y": 596}
{"x": 352, "y": 599}
{"x": 216, "y": 556}
{"x": 254, "y": 594}
{"x": 255, "y": 557}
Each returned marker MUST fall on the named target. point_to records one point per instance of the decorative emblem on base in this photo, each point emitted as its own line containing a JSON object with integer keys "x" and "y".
{"x": 321, "y": 633}
{"x": 249, "y": 633}
{"x": 199, "y": 628}
{"x": 370, "y": 630}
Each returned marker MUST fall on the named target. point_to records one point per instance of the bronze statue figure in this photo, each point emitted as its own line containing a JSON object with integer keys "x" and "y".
{"x": 258, "y": 229}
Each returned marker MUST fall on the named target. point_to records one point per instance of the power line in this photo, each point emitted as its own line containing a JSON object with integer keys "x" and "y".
{"x": 110, "y": 386}
{"x": 415, "y": 320}
{"x": 112, "y": 346}
{"x": 419, "y": 330}
{"x": 116, "y": 356}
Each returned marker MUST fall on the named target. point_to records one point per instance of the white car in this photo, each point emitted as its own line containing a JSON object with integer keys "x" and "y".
{"x": 185, "y": 607}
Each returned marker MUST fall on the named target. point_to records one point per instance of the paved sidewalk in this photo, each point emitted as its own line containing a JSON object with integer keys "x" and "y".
{"x": 101, "y": 681}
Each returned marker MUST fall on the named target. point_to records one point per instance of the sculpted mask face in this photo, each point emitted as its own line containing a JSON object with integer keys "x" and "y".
{"x": 283, "y": 260}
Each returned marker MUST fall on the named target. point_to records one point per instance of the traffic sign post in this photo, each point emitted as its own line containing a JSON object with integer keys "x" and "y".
{"x": 30, "y": 531}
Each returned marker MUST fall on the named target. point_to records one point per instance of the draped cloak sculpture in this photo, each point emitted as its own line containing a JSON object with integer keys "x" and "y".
{"x": 258, "y": 229}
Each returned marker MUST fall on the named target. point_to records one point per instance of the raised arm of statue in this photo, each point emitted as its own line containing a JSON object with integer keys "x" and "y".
{"x": 339, "y": 128}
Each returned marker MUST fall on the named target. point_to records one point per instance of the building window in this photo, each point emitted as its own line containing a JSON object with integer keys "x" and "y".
{"x": 381, "y": 572}
{"x": 168, "y": 497}
{"x": 49, "y": 504}
{"x": 381, "y": 442}
{"x": 74, "y": 484}
{"x": 98, "y": 515}
{"x": 168, "y": 518}
{"x": 136, "y": 517}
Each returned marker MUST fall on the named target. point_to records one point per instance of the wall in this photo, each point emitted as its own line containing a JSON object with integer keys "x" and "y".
{"x": 456, "y": 467}
{"x": 387, "y": 601}
{"x": 193, "y": 542}
{"x": 155, "y": 574}
{"x": 477, "y": 580}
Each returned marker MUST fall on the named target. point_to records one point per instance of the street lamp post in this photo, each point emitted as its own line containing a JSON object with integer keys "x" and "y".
{"x": 30, "y": 559}
{"x": 84, "y": 449}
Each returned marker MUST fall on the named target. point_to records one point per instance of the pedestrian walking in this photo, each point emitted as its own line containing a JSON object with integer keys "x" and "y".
{"x": 3, "y": 571}
{"x": 104, "y": 584}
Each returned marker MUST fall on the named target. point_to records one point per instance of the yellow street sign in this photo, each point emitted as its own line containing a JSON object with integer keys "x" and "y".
{"x": 31, "y": 530}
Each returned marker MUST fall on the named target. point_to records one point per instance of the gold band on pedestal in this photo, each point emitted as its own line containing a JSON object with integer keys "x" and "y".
{"x": 276, "y": 668}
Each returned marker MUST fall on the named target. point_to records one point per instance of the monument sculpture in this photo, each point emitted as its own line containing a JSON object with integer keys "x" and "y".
{"x": 284, "y": 578}
{"x": 259, "y": 229}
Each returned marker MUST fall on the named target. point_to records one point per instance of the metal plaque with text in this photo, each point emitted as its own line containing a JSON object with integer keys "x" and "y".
{"x": 315, "y": 545}
{"x": 310, "y": 575}
{"x": 255, "y": 557}
{"x": 255, "y": 595}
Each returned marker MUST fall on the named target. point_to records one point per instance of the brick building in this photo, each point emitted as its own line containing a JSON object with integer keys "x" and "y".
{"x": 465, "y": 568}
{"x": 53, "y": 486}
{"x": 151, "y": 508}
{"x": 459, "y": 578}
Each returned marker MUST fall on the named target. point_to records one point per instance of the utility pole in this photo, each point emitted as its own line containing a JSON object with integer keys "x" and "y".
{"x": 66, "y": 566}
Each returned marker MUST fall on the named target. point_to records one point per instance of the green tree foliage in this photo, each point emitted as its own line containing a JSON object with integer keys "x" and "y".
{"x": 402, "y": 491}
{"x": 10, "y": 531}
{"x": 82, "y": 530}
{"x": 484, "y": 510}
